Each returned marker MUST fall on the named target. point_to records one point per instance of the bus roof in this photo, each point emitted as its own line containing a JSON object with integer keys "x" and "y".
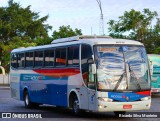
{"x": 77, "y": 38}
{"x": 92, "y": 40}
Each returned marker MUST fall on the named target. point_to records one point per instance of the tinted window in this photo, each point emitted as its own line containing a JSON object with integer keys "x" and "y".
{"x": 86, "y": 53}
{"x": 76, "y": 55}
{"x": 21, "y": 59}
{"x": 73, "y": 55}
{"x": 70, "y": 55}
{"x": 63, "y": 56}
{"x": 38, "y": 58}
{"x": 60, "y": 56}
{"x": 29, "y": 59}
{"x": 49, "y": 57}
{"x": 14, "y": 60}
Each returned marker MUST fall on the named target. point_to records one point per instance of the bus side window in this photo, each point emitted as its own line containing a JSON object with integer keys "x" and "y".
{"x": 23, "y": 59}
{"x": 73, "y": 55}
{"x": 63, "y": 56}
{"x": 38, "y": 59}
{"x": 86, "y": 53}
{"x": 29, "y": 59}
{"x": 20, "y": 60}
{"x": 60, "y": 56}
{"x": 14, "y": 60}
{"x": 76, "y": 55}
{"x": 49, "y": 58}
{"x": 70, "y": 56}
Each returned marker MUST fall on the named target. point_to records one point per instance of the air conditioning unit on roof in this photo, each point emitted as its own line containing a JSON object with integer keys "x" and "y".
{"x": 76, "y": 38}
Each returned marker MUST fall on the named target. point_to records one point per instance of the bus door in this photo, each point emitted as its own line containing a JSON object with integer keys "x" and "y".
{"x": 91, "y": 90}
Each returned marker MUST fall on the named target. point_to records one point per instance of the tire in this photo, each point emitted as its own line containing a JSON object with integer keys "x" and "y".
{"x": 28, "y": 103}
{"x": 75, "y": 106}
{"x": 117, "y": 113}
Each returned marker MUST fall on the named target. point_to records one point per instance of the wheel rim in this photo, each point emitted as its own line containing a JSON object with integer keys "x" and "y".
{"x": 27, "y": 100}
{"x": 76, "y": 106}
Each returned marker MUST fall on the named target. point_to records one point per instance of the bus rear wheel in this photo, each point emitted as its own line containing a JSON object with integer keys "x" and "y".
{"x": 28, "y": 103}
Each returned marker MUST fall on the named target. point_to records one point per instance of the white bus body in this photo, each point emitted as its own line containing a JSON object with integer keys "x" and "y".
{"x": 90, "y": 73}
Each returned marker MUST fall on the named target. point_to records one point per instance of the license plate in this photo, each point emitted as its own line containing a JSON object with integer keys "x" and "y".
{"x": 127, "y": 106}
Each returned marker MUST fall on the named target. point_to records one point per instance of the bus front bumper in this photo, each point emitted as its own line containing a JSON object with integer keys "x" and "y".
{"x": 123, "y": 106}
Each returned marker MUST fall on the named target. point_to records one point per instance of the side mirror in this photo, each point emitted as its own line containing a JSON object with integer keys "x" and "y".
{"x": 90, "y": 61}
{"x": 92, "y": 68}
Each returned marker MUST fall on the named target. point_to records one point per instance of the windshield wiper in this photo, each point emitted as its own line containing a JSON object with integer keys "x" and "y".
{"x": 119, "y": 81}
{"x": 134, "y": 76}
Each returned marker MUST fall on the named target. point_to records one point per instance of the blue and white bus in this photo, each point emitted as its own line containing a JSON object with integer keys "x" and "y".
{"x": 83, "y": 72}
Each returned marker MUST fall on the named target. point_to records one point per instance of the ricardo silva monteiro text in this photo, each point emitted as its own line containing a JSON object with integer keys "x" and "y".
{"x": 139, "y": 115}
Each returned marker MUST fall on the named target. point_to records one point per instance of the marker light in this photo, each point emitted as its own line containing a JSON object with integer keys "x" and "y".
{"x": 100, "y": 106}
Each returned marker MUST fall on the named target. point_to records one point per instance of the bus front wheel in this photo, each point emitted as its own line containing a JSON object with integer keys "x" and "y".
{"x": 75, "y": 106}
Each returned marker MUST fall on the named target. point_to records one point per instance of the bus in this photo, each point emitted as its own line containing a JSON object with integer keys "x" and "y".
{"x": 154, "y": 60}
{"x": 93, "y": 73}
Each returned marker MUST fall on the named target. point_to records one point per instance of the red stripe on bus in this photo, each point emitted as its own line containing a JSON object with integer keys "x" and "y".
{"x": 144, "y": 93}
{"x": 58, "y": 72}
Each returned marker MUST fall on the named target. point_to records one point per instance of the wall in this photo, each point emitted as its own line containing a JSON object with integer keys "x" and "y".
{"x": 4, "y": 79}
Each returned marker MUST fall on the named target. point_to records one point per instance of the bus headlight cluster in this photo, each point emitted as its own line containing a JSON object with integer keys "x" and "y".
{"x": 105, "y": 99}
{"x": 146, "y": 98}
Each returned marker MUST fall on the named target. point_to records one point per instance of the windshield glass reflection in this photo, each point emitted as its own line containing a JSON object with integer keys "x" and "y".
{"x": 122, "y": 68}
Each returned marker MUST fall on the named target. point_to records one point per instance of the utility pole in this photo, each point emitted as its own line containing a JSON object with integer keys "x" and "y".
{"x": 101, "y": 22}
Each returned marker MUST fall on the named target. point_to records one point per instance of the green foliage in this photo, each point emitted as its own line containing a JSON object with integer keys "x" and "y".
{"x": 7, "y": 48}
{"x": 18, "y": 21}
{"x": 157, "y": 50}
{"x": 66, "y": 31}
{"x": 43, "y": 41}
{"x": 20, "y": 27}
{"x": 137, "y": 25}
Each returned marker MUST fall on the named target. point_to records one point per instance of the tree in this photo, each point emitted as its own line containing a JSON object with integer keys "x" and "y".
{"x": 66, "y": 31}
{"x": 20, "y": 27}
{"x": 21, "y": 22}
{"x": 43, "y": 41}
{"x": 7, "y": 48}
{"x": 135, "y": 25}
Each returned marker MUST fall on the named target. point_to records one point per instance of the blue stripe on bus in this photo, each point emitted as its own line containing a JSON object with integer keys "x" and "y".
{"x": 38, "y": 77}
{"x": 44, "y": 89}
{"x": 125, "y": 97}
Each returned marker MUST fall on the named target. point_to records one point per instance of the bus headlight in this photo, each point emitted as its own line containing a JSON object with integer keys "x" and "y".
{"x": 146, "y": 98}
{"x": 105, "y": 99}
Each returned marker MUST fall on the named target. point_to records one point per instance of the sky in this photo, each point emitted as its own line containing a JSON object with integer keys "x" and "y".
{"x": 84, "y": 14}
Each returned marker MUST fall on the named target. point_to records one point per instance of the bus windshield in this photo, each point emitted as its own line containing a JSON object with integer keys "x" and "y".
{"x": 122, "y": 68}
